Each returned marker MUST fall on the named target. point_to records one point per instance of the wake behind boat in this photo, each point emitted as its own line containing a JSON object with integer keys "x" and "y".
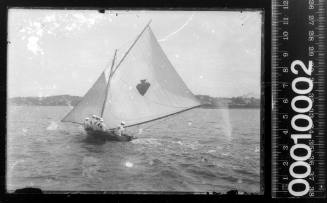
{"x": 142, "y": 87}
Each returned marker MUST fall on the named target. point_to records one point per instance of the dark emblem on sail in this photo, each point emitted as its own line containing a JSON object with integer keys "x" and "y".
{"x": 143, "y": 87}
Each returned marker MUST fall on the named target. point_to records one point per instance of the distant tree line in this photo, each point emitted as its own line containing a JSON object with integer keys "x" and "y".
{"x": 233, "y": 102}
{"x": 206, "y": 101}
{"x": 60, "y": 100}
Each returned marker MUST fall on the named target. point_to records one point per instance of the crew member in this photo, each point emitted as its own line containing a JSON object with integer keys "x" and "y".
{"x": 121, "y": 128}
{"x": 87, "y": 122}
{"x": 102, "y": 125}
{"x": 95, "y": 122}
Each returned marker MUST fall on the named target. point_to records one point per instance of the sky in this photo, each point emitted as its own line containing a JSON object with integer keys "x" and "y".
{"x": 55, "y": 52}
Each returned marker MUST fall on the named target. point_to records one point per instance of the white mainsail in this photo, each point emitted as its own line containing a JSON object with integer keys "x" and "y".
{"x": 144, "y": 86}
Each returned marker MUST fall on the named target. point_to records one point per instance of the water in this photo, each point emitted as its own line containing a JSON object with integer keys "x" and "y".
{"x": 201, "y": 150}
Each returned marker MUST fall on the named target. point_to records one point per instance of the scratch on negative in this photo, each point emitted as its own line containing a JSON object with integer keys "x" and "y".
{"x": 178, "y": 30}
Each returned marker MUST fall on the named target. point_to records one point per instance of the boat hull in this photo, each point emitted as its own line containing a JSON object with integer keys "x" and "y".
{"x": 108, "y": 135}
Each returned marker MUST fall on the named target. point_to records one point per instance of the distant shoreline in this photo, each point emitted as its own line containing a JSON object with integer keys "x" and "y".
{"x": 206, "y": 101}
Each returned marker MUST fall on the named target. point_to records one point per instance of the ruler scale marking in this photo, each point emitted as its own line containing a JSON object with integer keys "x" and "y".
{"x": 298, "y": 40}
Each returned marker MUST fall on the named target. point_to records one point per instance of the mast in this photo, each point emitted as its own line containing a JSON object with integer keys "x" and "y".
{"x": 108, "y": 83}
{"x": 137, "y": 38}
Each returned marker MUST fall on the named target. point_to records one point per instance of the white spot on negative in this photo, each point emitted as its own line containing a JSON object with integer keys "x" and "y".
{"x": 140, "y": 131}
{"x": 179, "y": 142}
{"x": 33, "y": 45}
{"x": 129, "y": 164}
{"x": 178, "y": 30}
{"x": 52, "y": 126}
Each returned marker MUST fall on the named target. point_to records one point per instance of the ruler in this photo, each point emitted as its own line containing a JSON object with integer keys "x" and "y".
{"x": 299, "y": 98}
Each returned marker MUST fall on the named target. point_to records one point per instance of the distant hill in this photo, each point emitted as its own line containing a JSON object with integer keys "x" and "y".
{"x": 224, "y": 102}
{"x": 206, "y": 101}
{"x": 59, "y": 100}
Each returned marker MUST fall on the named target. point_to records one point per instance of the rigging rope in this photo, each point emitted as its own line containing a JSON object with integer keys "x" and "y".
{"x": 157, "y": 122}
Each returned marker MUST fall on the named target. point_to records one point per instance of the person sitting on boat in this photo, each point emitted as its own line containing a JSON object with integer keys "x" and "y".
{"x": 121, "y": 128}
{"x": 93, "y": 120}
{"x": 87, "y": 122}
{"x": 94, "y": 117}
{"x": 103, "y": 126}
{"x": 94, "y": 123}
{"x": 100, "y": 124}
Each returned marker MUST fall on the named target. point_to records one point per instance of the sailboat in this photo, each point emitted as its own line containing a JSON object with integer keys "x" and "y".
{"x": 142, "y": 87}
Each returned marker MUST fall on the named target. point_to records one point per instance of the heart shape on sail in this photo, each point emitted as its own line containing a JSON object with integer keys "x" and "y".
{"x": 143, "y": 87}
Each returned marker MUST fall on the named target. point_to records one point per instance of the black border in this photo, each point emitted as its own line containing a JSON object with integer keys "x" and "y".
{"x": 264, "y": 5}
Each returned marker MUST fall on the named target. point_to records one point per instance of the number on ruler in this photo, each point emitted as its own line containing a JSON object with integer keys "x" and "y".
{"x": 285, "y": 4}
{"x": 311, "y": 36}
{"x": 285, "y": 35}
{"x": 311, "y": 4}
{"x": 285, "y": 163}
{"x": 311, "y": 19}
{"x": 285, "y": 21}
{"x": 311, "y": 51}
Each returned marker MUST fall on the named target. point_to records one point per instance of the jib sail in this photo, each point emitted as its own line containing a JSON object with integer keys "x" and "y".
{"x": 90, "y": 104}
